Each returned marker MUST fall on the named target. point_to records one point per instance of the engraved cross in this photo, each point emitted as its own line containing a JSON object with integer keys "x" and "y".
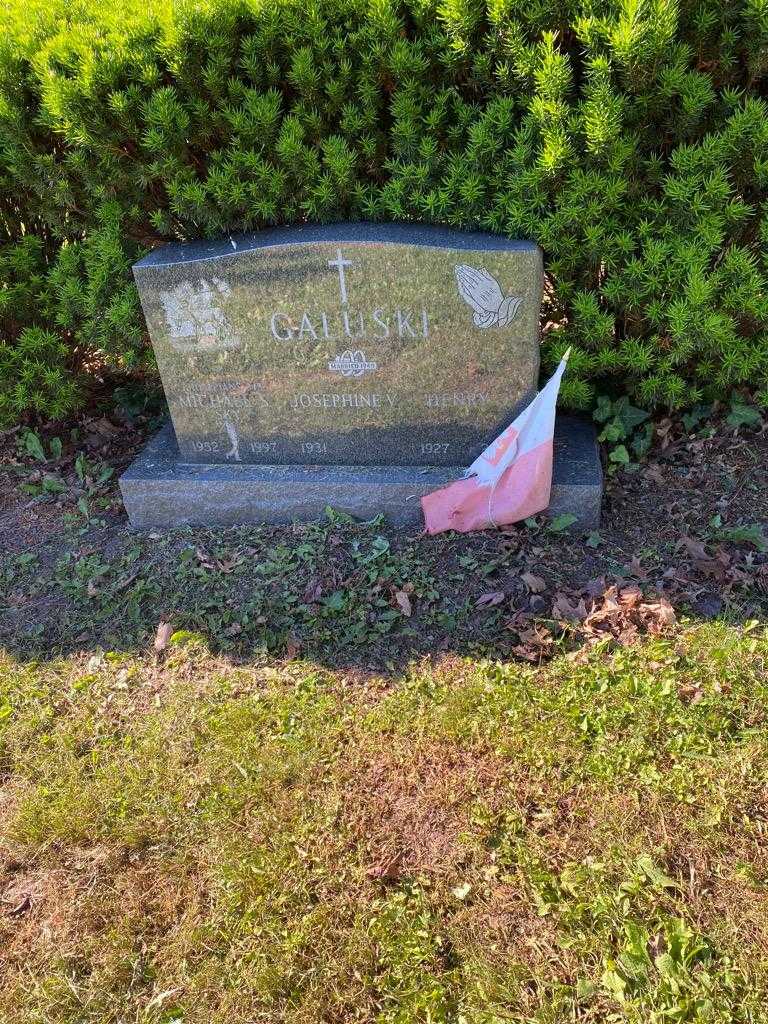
{"x": 340, "y": 262}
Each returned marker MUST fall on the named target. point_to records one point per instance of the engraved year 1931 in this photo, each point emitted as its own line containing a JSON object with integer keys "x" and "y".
{"x": 314, "y": 448}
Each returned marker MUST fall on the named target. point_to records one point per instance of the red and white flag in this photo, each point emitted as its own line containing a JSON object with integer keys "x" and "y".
{"x": 510, "y": 480}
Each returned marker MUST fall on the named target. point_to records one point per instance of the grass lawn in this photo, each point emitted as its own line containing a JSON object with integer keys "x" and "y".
{"x": 479, "y": 841}
{"x": 371, "y": 776}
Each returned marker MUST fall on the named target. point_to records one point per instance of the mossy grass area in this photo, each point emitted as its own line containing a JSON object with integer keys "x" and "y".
{"x": 340, "y": 773}
{"x": 472, "y": 840}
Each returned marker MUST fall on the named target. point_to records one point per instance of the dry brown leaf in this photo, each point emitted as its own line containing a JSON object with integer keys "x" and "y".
{"x": 205, "y": 559}
{"x": 661, "y": 611}
{"x": 534, "y": 640}
{"x": 22, "y": 906}
{"x": 690, "y": 693}
{"x": 528, "y": 653}
{"x": 104, "y": 426}
{"x": 388, "y": 870}
{"x": 637, "y": 570}
{"x": 163, "y": 636}
{"x": 292, "y": 648}
{"x": 403, "y": 602}
{"x": 722, "y": 556}
{"x": 535, "y": 584}
{"x": 654, "y": 474}
{"x": 596, "y": 587}
{"x": 564, "y": 608}
{"x": 490, "y": 599}
{"x": 630, "y": 597}
{"x": 663, "y": 430}
{"x": 695, "y": 548}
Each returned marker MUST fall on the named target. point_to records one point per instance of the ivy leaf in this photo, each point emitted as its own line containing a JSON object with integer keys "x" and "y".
{"x": 752, "y": 534}
{"x": 335, "y": 601}
{"x": 603, "y": 409}
{"x": 563, "y": 522}
{"x": 620, "y": 455}
{"x": 53, "y": 484}
{"x": 614, "y": 431}
{"x": 379, "y": 547}
{"x": 743, "y": 415}
{"x": 641, "y": 443}
{"x": 630, "y": 416}
{"x": 697, "y": 414}
{"x": 33, "y": 446}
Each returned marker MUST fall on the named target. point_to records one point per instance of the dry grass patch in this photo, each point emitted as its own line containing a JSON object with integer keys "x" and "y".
{"x": 407, "y": 808}
{"x": 479, "y": 842}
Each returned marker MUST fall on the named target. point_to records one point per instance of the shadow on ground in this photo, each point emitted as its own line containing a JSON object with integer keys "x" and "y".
{"x": 685, "y": 531}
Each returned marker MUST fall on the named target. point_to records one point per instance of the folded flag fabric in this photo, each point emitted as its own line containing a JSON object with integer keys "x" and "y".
{"x": 510, "y": 480}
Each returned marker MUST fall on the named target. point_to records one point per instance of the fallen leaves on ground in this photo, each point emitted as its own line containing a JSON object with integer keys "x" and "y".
{"x": 535, "y": 641}
{"x": 625, "y": 614}
{"x": 216, "y": 564}
{"x": 620, "y": 612}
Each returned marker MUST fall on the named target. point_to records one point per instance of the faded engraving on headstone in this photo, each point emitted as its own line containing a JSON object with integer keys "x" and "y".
{"x": 194, "y": 318}
{"x": 345, "y": 345}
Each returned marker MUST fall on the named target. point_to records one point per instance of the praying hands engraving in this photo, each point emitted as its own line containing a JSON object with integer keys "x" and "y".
{"x": 483, "y": 293}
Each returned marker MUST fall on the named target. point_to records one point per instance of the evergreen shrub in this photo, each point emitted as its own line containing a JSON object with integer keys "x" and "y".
{"x": 629, "y": 138}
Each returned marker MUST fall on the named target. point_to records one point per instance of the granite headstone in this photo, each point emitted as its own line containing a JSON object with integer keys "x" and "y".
{"x": 351, "y": 345}
{"x": 356, "y": 365}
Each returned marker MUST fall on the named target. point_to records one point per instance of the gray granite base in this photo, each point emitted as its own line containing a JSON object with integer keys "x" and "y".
{"x": 160, "y": 491}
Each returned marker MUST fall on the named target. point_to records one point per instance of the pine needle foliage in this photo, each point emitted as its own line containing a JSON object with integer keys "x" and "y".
{"x": 629, "y": 138}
